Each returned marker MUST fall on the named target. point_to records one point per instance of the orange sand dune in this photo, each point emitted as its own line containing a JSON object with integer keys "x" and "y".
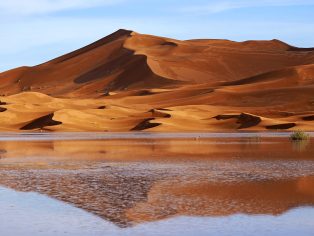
{"x": 132, "y": 82}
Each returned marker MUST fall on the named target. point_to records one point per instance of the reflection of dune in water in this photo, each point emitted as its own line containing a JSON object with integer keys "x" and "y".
{"x": 132, "y": 181}
{"x": 150, "y": 149}
{"x": 176, "y": 198}
{"x": 301, "y": 145}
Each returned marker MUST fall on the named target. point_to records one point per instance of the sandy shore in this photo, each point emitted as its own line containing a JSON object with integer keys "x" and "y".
{"x": 51, "y": 136}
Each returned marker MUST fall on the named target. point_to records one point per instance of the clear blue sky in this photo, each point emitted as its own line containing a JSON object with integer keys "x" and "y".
{"x": 33, "y": 31}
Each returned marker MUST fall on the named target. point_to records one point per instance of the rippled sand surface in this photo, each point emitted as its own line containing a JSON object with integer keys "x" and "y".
{"x": 134, "y": 184}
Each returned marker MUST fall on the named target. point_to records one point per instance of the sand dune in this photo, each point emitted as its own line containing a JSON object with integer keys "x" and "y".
{"x": 130, "y": 81}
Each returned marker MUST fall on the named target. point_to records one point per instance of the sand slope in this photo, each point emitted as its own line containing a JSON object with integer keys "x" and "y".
{"x": 130, "y": 81}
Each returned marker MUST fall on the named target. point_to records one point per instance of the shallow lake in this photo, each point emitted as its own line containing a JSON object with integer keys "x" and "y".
{"x": 156, "y": 184}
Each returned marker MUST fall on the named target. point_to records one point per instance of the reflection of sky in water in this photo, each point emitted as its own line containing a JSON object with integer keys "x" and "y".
{"x": 31, "y": 214}
{"x": 157, "y": 186}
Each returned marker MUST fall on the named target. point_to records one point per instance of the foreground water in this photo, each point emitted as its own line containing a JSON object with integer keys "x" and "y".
{"x": 143, "y": 184}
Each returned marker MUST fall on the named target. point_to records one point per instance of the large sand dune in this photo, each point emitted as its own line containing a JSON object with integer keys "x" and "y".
{"x": 130, "y": 81}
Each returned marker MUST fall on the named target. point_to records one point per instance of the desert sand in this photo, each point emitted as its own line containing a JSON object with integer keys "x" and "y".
{"x": 135, "y": 82}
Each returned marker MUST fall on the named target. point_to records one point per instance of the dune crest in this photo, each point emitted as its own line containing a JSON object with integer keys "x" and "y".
{"x": 130, "y": 81}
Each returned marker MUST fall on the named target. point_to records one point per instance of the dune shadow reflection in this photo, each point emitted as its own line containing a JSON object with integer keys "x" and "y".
{"x": 133, "y": 181}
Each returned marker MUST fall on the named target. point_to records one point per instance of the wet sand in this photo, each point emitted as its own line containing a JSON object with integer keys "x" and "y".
{"x": 140, "y": 184}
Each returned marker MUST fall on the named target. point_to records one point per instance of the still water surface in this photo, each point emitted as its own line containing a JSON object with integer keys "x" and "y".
{"x": 224, "y": 184}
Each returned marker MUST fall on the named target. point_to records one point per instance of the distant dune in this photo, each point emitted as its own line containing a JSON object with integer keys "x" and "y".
{"x": 134, "y": 82}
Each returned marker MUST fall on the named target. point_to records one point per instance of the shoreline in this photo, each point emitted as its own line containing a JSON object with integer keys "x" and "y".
{"x": 37, "y": 136}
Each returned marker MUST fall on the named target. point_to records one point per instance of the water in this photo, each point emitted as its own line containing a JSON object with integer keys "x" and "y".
{"x": 223, "y": 184}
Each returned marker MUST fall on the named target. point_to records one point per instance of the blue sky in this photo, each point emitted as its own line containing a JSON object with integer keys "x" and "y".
{"x": 33, "y": 31}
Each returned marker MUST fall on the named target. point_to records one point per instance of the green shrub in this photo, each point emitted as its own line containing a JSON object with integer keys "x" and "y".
{"x": 299, "y": 135}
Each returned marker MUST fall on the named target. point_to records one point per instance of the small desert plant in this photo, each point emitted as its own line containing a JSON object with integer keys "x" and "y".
{"x": 299, "y": 136}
